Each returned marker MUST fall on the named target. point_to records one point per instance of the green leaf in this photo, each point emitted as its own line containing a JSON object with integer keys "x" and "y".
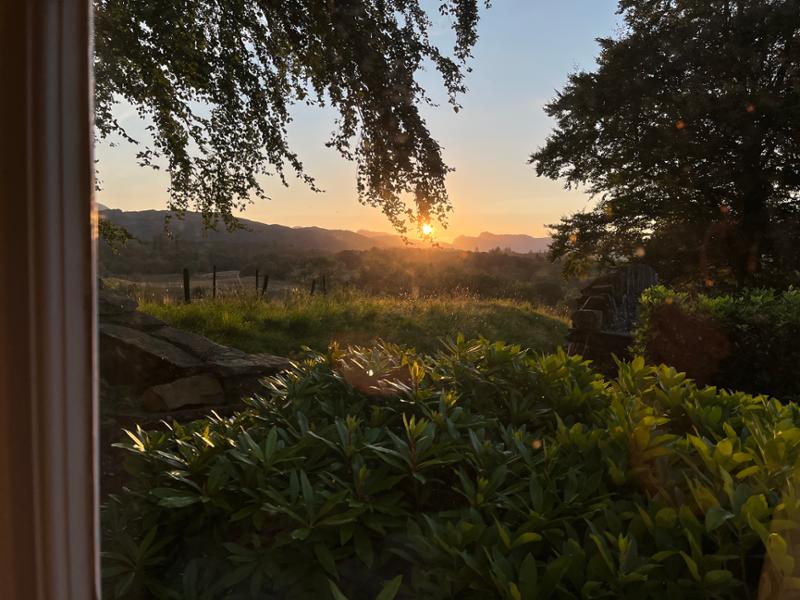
{"x": 391, "y": 588}
{"x": 718, "y": 577}
{"x": 504, "y": 537}
{"x": 526, "y": 538}
{"x": 692, "y": 566}
{"x": 528, "y": 577}
{"x": 745, "y": 473}
{"x": 363, "y": 546}
{"x": 716, "y": 517}
{"x": 325, "y": 558}
{"x": 178, "y": 501}
{"x": 336, "y": 592}
{"x": 666, "y": 518}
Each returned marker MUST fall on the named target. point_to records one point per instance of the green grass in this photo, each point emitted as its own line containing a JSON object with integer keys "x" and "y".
{"x": 284, "y": 326}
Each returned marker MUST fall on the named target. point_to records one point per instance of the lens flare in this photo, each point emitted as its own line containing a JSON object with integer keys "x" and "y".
{"x": 427, "y": 229}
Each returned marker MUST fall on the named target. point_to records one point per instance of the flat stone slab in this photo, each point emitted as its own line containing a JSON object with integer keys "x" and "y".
{"x": 110, "y": 303}
{"x": 135, "y": 320}
{"x": 232, "y": 363}
{"x": 174, "y": 368}
{"x": 197, "y": 390}
{"x": 192, "y": 343}
{"x": 145, "y": 343}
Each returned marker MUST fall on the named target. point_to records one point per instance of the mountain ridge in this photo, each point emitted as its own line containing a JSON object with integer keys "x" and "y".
{"x": 516, "y": 242}
{"x": 148, "y": 224}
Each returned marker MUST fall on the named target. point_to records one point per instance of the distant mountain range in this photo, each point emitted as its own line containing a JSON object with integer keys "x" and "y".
{"x": 147, "y": 224}
{"x": 515, "y": 242}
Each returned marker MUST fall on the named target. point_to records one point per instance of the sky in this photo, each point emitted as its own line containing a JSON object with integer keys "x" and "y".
{"x": 526, "y": 50}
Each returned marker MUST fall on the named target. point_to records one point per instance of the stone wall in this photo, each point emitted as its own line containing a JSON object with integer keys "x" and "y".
{"x": 602, "y": 325}
{"x": 166, "y": 369}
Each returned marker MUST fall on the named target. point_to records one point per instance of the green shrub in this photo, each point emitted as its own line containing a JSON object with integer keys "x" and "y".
{"x": 749, "y": 342}
{"x": 483, "y": 472}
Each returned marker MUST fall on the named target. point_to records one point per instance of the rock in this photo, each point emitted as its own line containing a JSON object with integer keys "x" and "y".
{"x": 270, "y": 361}
{"x": 140, "y": 352}
{"x": 120, "y": 310}
{"x": 192, "y": 343}
{"x": 606, "y": 316}
{"x": 110, "y": 303}
{"x": 587, "y": 320}
{"x": 604, "y": 303}
{"x": 130, "y": 356}
{"x": 135, "y": 320}
{"x": 197, "y": 390}
{"x": 232, "y": 363}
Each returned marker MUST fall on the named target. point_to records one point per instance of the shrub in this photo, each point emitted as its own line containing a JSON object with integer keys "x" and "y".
{"x": 483, "y": 472}
{"x": 749, "y": 342}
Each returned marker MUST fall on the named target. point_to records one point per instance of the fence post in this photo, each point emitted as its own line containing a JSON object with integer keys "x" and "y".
{"x": 313, "y": 286}
{"x": 214, "y": 282}
{"x": 264, "y": 287}
{"x": 187, "y": 292}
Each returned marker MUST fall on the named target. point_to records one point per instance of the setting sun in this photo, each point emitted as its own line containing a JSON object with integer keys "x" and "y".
{"x": 427, "y": 229}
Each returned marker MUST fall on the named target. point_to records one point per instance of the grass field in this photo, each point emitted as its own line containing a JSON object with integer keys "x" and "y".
{"x": 284, "y": 326}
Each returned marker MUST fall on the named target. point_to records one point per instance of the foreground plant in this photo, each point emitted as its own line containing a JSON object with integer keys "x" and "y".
{"x": 483, "y": 472}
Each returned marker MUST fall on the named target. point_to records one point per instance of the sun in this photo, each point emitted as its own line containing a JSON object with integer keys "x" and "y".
{"x": 427, "y": 229}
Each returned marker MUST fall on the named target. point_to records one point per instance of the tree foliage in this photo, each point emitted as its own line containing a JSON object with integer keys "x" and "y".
{"x": 114, "y": 236}
{"x": 687, "y": 132}
{"x": 217, "y": 80}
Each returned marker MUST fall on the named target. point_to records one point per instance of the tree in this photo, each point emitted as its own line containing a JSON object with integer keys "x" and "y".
{"x": 688, "y": 134}
{"x": 217, "y": 78}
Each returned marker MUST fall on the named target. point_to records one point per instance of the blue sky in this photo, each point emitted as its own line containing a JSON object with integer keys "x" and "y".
{"x": 525, "y": 52}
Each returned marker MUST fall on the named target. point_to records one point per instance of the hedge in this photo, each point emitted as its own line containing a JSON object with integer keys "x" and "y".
{"x": 749, "y": 341}
{"x": 485, "y": 471}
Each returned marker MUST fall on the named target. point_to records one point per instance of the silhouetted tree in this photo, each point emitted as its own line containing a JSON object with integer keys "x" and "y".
{"x": 689, "y": 134}
{"x": 217, "y": 78}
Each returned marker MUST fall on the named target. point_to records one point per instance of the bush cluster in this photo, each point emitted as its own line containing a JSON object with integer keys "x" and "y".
{"x": 749, "y": 341}
{"x": 484, "y": 471}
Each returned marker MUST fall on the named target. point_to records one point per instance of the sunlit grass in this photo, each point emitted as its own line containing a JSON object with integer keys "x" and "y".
{"x": 284, "y": 326}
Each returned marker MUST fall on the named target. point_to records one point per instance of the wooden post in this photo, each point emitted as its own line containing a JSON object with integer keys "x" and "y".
{"x": 264, "y": 287}
{"x": 256, "y": 282}
{"x": 214, "y": 282}
{"x": 324, "y": 286}
{"x": 187, "y": 292}
{"x": 313, "y": 286}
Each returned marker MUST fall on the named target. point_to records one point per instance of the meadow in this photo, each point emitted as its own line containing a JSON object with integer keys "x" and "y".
{"x": 285, "y": 324}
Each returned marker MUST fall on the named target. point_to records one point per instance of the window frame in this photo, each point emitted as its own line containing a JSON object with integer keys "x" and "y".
{"x": 48, "y": 341}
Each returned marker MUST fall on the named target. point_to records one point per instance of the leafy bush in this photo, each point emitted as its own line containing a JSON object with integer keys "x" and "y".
{"x": 483, "y": 472}
{"x": 749, "y": 342}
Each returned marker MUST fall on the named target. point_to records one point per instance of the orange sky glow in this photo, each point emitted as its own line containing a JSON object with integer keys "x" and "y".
{"x": 526, "y": 51}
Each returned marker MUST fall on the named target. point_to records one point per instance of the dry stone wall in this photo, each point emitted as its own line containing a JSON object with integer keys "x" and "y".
{"x": 602, "y": 325}
{"x": 161, "y": 368}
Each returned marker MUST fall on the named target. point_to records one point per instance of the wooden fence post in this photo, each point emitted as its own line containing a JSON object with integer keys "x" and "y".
{"x": 264, "y": 287}
{"x": 313, "y": 286}
{"x": 214, "y": 282}
{"x": 187, "y": 292}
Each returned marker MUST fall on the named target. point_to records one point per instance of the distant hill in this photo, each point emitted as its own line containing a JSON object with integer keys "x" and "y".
{"x": 515, "y": 242}
{"x": 393, "y": 240}
{"x": 373, "y": 234}
{"x": 148, "y": 224}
